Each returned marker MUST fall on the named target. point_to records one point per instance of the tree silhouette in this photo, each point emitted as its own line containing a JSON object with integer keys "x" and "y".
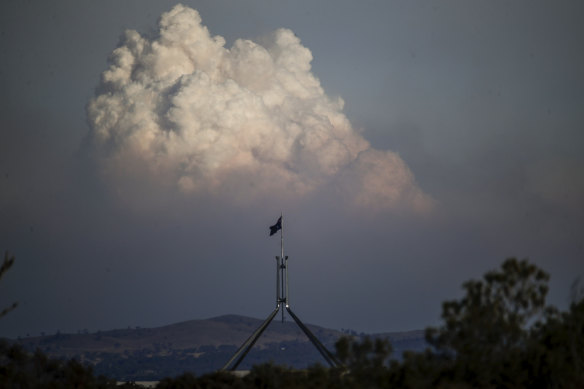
{"x": 485, "y": 332}
{"x": 7, "y": 264}
{"x": 556, "y": 351}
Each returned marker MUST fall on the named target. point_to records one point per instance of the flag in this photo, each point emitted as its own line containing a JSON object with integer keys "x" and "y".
{"x": 276, "y": 227}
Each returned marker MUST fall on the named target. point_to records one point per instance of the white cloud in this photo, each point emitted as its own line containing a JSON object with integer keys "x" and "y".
{"x": 186, "y": 113}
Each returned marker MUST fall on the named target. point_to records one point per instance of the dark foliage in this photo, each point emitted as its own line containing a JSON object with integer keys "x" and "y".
{"x": 7, "y": 264}
{"x": 19, "y": 369}
{"x": 500, "y": 335}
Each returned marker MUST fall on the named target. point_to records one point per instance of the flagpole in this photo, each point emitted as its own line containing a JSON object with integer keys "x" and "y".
{"x": 284, "y": 286}
{"x": 281, "y": 298}
{"x": 285, "y": 263}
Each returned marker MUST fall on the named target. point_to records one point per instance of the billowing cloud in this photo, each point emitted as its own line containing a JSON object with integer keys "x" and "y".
{"x": 183, "y": 112}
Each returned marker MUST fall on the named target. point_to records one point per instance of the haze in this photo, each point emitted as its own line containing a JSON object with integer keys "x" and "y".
{"x": 410, "y": 146}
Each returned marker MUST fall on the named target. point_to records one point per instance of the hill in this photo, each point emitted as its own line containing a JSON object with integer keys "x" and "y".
{"x": 198, "y": 346}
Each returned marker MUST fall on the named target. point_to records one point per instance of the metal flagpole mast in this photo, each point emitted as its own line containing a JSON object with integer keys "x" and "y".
{"x": 277, "y": 281}
{"x": 284, "y": 284}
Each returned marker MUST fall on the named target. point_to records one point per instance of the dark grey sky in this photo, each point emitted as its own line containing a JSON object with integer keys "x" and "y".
{"x": 482, "y": 101}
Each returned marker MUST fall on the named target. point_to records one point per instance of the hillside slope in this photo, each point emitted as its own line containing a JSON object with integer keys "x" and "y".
{"x": 228, "y": 330}
{"x": 198, "y": 346}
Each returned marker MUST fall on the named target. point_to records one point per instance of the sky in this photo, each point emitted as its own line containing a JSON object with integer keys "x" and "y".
{"x": 147, "y": 146}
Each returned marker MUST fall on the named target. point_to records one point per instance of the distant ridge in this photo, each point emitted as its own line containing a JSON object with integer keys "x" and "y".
{"x": 198, "y": 346}
{"x": 226, "y": 330}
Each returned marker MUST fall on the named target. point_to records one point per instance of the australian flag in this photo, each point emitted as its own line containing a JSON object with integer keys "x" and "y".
{"x": 276, "y": 227}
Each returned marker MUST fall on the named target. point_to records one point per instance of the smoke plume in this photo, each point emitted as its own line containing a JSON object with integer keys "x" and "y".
{"x": 183, "y": 112}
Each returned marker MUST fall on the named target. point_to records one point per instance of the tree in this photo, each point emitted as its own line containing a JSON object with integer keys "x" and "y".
{"x": 7, "y": 264}
{"x": 19, "y": 369}
{"x": 368, "y": 354}
{"x": 556, "y": 350}
{"x": 366, "y": 361}
{"x": 486, "y": 332}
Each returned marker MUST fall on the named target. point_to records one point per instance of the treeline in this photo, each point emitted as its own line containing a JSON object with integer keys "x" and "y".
{"x": 19, "y": 369}
{"x": 500, "y": 334}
